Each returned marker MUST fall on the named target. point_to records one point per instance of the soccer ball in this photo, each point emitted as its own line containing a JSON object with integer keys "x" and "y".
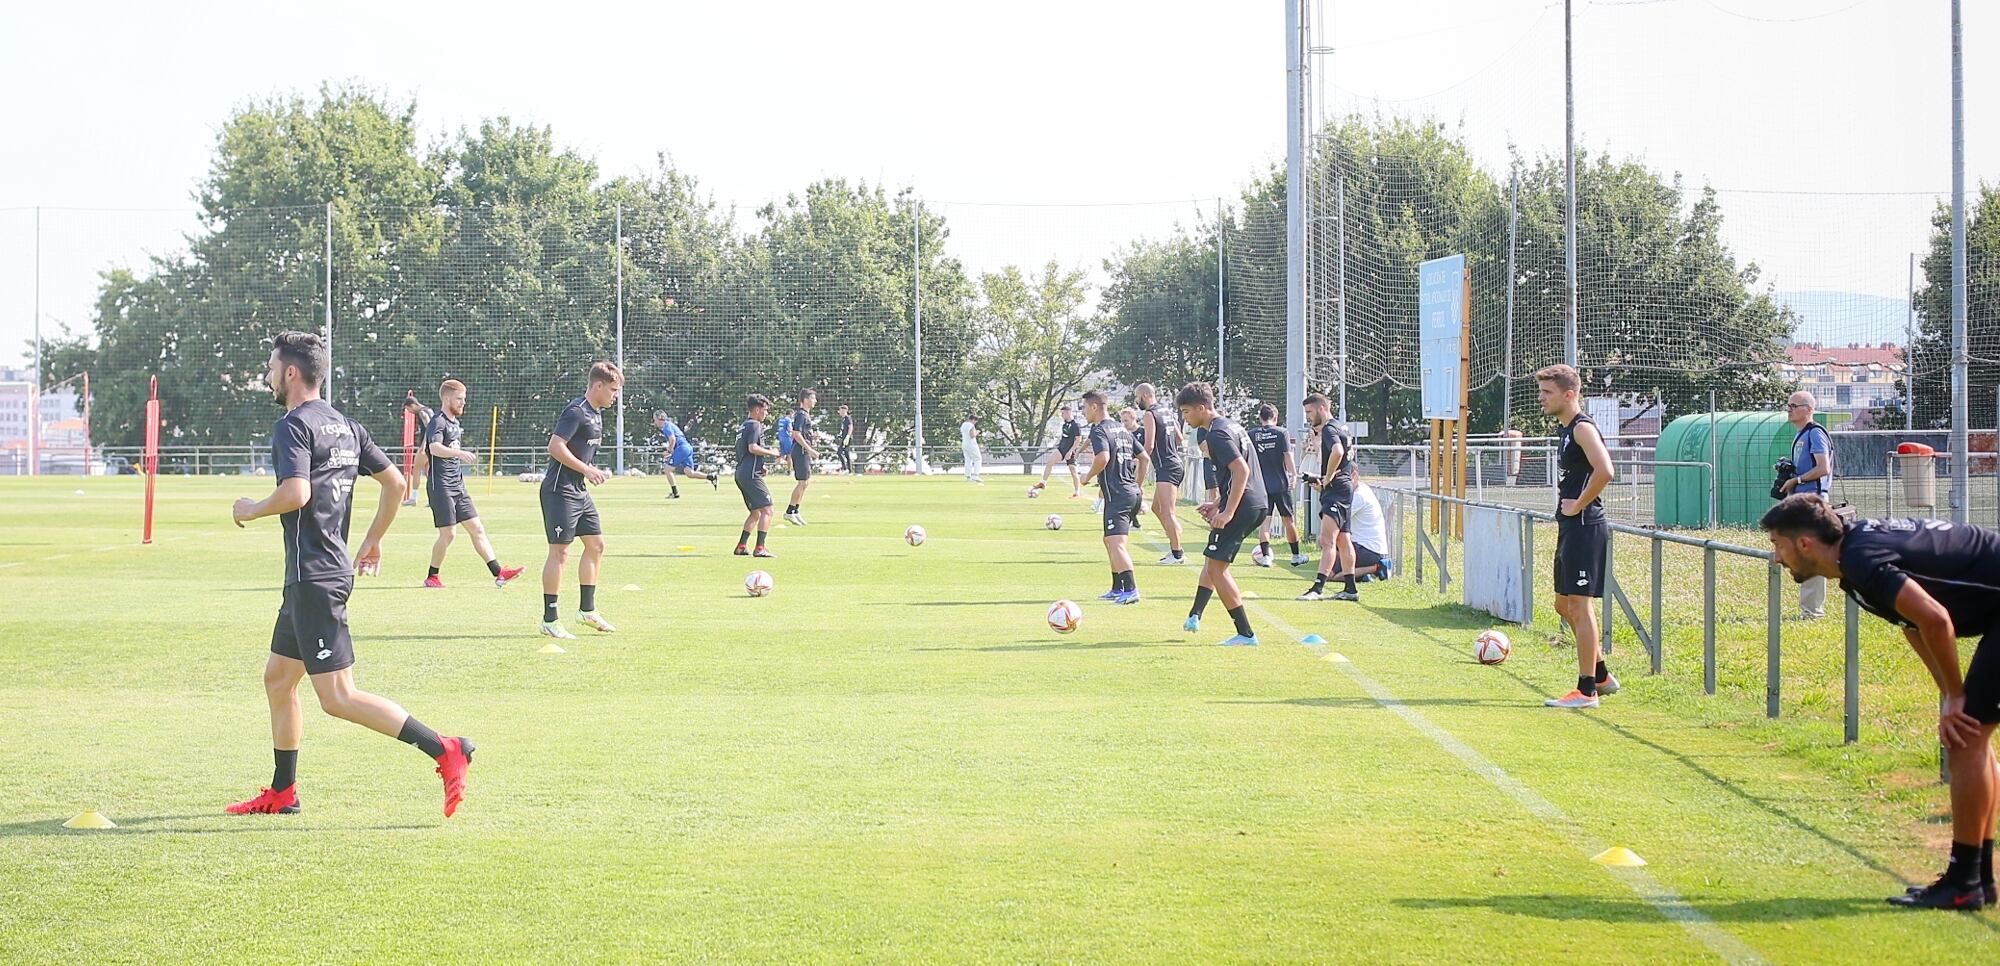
{"x": 1054, "y": 522}
{"x": 1491, "y": 647}
{"x": 758, "y": 583}
{"x": 1034, "y": 492}
{"x": 1064, "y": 616}
{"x": 914, "y": 536}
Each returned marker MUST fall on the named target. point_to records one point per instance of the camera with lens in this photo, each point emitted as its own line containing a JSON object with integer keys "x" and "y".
{"x": 1786, "y": 469}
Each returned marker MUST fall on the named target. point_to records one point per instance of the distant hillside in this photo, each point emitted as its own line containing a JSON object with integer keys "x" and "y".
{"x": 1838, "y": 318}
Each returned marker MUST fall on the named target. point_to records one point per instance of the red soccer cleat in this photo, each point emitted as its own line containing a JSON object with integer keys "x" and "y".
{"x": 269, "y": 802}
{"x": 433, "y": 582}
{"x": 452, "y": 764}
{"x": 507, "y": 574}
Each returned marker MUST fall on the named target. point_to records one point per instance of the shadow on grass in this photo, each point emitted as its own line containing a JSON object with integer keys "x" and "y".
{"x": 1025, "y": 647}
{"x": 153, "y": 825}
{"x": 1596, "y": 908}
{"x": 1367, "y": 703}
{"x": 435, "y": 637}
{"x": 972, "y": 603}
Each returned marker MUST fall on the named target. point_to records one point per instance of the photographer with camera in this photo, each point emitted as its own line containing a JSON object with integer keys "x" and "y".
{"x": 1809, "y": 471}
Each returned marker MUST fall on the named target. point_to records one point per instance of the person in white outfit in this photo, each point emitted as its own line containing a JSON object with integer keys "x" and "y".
{"x": 968, "y": 440}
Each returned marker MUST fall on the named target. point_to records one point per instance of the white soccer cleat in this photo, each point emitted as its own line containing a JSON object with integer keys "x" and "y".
{"x": 556, "y": 630}
{"x": 1300, "y": 560}
{"x": 795, "y": 519}
{"x": 1574, "y": 699}
{"x": 1260, "y": 558}
{"x": 1173, "y": 561}
{"x": 591, "y": 618}
{"x": 1311, "y": 595}
{"x": 1607, "y": 686}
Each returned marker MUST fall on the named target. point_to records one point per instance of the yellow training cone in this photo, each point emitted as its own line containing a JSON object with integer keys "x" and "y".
{"x": 1618, "y": 856}
{"x": 685, "y": 549}
{"x": 553, "y": 648}
{"x": 1249, "y": 595}
{"x": 90, "y": 820}
{"x": 631, "y": 586}
{"x": 1337, "y": 658}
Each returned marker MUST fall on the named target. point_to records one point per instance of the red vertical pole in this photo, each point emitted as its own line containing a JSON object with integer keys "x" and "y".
{"x": 409, "y": 444}
{"x": 150, "y": 462}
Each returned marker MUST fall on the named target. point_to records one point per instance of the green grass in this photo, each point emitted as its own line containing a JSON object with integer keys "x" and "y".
{"x": 891, "y": 758}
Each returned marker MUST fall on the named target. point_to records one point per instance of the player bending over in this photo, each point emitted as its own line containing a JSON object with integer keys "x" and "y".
{"x": 1069, "y": 445}
{"x": 1275, "y": 464}
{"x": 680, "y": 455}
{"x": 451, "y": 504}
{"x": 568, "y": 513}
{"x": 1370, "y": 533}
{"x": 1117, "y": 463}
{"x": 1160, "y": 434}
{"x": 750, "y": 455}
{"x": 1583, "y": 534}
{"x": 1237, "y": 512}
{"x": 1939, "y": 581}
{"x": 803, "y": 454}
{"x": 316, "y": 454}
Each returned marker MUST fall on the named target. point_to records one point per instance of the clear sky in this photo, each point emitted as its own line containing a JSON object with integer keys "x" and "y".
{"x": 1080, "y": 102}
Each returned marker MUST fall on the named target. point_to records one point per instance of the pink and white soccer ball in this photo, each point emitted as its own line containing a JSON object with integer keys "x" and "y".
{"x": 914, "y": 536}
{"x": 1034, "y": 493}
{"x": 1064, "y": 616}
{"x": 758, "y": 583}
{"x": 1053, "y": 522}
{"x": 1491, "y": 647}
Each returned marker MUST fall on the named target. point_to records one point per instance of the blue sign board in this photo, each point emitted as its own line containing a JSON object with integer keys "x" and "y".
{"x": 1441, "y": 334}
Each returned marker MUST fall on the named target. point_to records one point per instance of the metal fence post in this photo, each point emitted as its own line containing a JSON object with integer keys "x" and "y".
{"x": 1708, "y": 620}
{"x": 1528, "y": 564}
{"x": 1606, "y": 622}
{"x": 1773, "y": 616}
{"x": 1851, "y": 710}
{"x": 1417, "y": 534}
{"x": 1444, "y": 549}
{"x": 1659, "y": 646}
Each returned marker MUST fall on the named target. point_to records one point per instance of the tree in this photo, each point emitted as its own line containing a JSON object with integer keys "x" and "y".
{"x": 1930, "y": 356}
{"x": 1160, "y": 311}
{"x": 1036, "y": 348}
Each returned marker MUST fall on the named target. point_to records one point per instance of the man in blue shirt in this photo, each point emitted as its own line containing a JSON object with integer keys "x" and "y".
{"x": 680, "y": 455}
{"x": 1812, "y": 459}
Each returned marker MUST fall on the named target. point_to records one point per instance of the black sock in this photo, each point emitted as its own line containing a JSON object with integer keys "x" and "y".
{"x": 493, "y": 566}
{"x": 589, "y": 596}
{"x": 434, "y": 571}
{"x": 1986, "y": 862}
{"x": 743, "y": 538}
{"x": 1295, "y": 547}
{"x": 1264, "y": 547}
{"x": 1117, "y": 581}
{"x": 1131, "y": 582}
{"x": 286, "y": 774}
{"x": 1242, "y": 619}
{"x": 1177, "y": 554}
{"x": 791, "y": 508}
{"x": 426, "y": 740}
{"x": 1347, "y": 584}
{"x": 548, "y": 608}
{"x": 1586, "y": 686}
{"x": 1602, "y": 674}
{"x": 1319, "y": 582}
{"x": 675, "y": 490}
{"x": 1201, "y": 595}
{"x": 1964, "y": 868}
{"x": 761, "y": 534}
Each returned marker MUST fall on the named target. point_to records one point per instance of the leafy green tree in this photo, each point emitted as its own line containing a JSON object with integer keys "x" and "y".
{"x": 1036, "y": 348}
{"x": 1930, "y": 356}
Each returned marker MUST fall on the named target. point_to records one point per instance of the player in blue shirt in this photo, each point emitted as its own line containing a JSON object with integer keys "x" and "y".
{"x": 680, "y": 455}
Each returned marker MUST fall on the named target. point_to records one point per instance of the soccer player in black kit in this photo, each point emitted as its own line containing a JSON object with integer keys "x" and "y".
{"x": 1238, "y": 510}
{"x": 1069, "y": 445}
{"x": 451, "y": 504}
{"x": 316, "y": 454}
{"x": 1583, "y": 534}
{"x": 1276, "y": 466}
{"x": 843, "y": 441}
{"x": 803, "y": 453}
{"x": 1939, "y": 581}
{"x": 1118, "y": 463}
{"x": 1335, "y": 481}
{"x": 568, "y": 513}
{"x": 750, "y": 455}
{"x": 1160, "y": 434}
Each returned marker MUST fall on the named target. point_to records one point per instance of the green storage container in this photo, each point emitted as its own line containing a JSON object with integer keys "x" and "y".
{"x": 1746, "y": 447}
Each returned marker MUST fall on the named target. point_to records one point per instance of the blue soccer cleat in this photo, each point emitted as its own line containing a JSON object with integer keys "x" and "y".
{"x": 1128, "y": 597}
{"x": 1192, "y": 624}
{"x": 1240, "y": 641}
{"x": 1109, "y": 595}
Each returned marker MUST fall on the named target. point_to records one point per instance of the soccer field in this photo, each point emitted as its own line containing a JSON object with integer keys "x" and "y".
{"x": 890, "y": 758}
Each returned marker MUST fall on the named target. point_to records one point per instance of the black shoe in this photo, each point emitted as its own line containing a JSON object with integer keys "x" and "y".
{"x": 741, "y": 552}
{"x": 675, "y": 495}
{"x": 1991, "y": 892}
{"x": 1942, "y": 895}
{"x": 712, "y": 484}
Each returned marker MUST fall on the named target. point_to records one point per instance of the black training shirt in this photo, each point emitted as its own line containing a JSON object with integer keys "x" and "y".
{"x": 749, "y": 465}
{"x": 1120, "y": 480}
{"x": 581, "y": 427}
{"x": 1227, "y": 442}
{"x": 445, "y": 470}
{"x": 1273, "y": 444}
{"x": 318, "y": 444}
{"x": 1958, "y": 564}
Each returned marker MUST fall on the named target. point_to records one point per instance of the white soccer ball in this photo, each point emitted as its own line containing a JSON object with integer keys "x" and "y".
{"x": 1054, "y": 522}
{"x": 758, "y": 583}
{"x": 914, "y": 536}
{"x": 1034, "y": 493}
{"x": 1064, "y": 616}
{"x": 1491, "y": 647}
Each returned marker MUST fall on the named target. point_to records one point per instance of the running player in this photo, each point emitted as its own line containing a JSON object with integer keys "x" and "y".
{"x": 1117, "y": 463}
{"x": 1335, "y": 481}
{"x": 568, "y": 513}
{"x": 1583, "y": 534}
{"x": 420, "y": 461}
{"x": 679, "y": 455}
{"x": 803, "y": 454}
{"x": 750, "y": 455}
{"x": 1160, "y": 434}
{"x": 1939, "y": 581}
{"x": 451, "y": 504}
{"x": 1237, "y": 512}
{"x": 843, "y": 444}
{"x": 316, "y": 454}
{"x": 1069, "y": 445}
{"x": 1275, "y": 464}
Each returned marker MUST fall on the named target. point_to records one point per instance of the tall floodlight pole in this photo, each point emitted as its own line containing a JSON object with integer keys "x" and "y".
{"x": 1960, "y": 416}
{"x": 35, "y": 379}
{"x": 618, "y": 311}
{"x": 326, "y": 267}
{"x": 917, "y": 322}
{"x": 1507, "y": 346}
{"x": 1295, "y": 233}
{"x": 1909, "y": 349}
{"x": 1569, "y": 186}
{"x": 1340, "y": 287}
{"x": 1220, "y": 302}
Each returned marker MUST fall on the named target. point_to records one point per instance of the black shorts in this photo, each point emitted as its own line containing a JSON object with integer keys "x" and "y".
{"x": 568, "y": 514}
{"x": 1363, "y": 559}
{"x": 1119, "y": 514}
{"x": 756, "y": 496}
{"x": 1582, "y": 549}
{"x": 450, "y": 506}
{"x": 1171, "y": 474}
{"x": 312, "y": 625}
{"x": 1982, "y": 679}
{"x": 1224, "y": 544}
{"x": 802, "y": 466}
{"x": 1281, "y": 503}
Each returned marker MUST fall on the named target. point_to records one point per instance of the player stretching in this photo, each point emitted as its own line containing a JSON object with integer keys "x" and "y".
{"x": 316, "y": 454}
{"x": 803, "y": 454}
{"x": 568, "y": 513}
{"x": 1276, "y": 466}
{"x": 1237, "y": 512}
{"x": 1068, "y": 446}
{"x": 1939, "y": 581}
{"x": 750, "y": 455}
{"x": 451, "y": 505}
{"x": 1583, "y": 535}
{"x": 1117, "y": 463}
{"x": 680, "y": 455}
{"x": 1160, "y": 433}
{"x": 1336, "y": 503}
